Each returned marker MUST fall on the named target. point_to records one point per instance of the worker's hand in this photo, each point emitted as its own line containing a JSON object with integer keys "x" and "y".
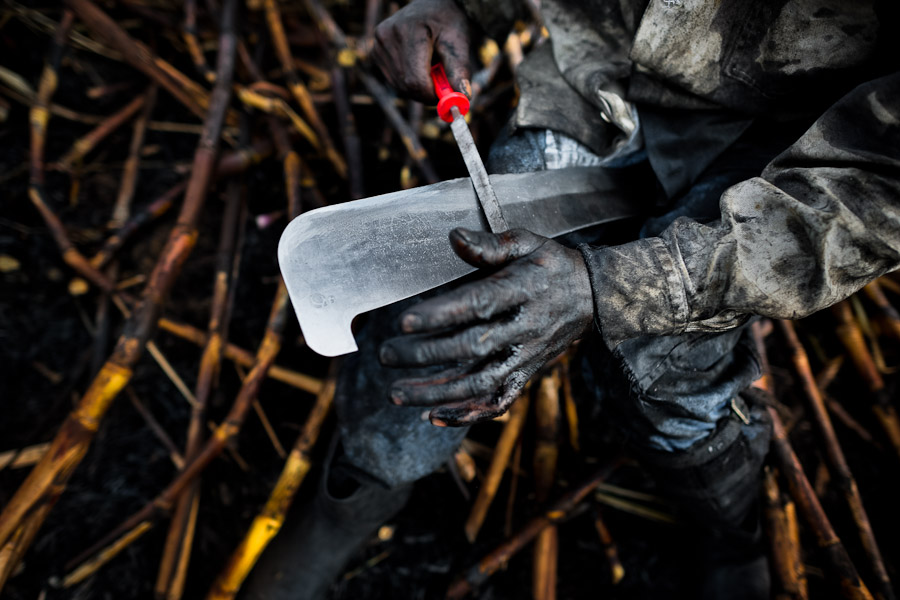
{"x": 495, "y": 332}
{"x": 405, "y": 42}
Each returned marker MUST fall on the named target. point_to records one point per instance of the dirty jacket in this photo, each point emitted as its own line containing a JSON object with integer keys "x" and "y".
{"x": 819, "y": 222}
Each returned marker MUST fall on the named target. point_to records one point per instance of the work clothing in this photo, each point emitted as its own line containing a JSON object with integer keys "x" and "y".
{"x": 818, "y": 223}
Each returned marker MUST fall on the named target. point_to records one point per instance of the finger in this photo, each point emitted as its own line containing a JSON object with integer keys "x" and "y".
{"x": 469, "y": 304}
{"x": 481, "y": 409}
{"x": 415, "y": 73}
{"x": 453, "y": 385}
{"x": 484, "y": 249}
{"x": 475, "y": 342}
{"x": 405, "y": 59}
{"x": 452, "y": 48}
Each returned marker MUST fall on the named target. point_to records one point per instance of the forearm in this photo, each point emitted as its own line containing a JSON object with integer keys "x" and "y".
{"x": 821, "y": 221}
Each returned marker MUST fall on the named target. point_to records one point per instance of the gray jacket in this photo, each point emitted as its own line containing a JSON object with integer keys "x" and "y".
{"x": 820, "y": 221}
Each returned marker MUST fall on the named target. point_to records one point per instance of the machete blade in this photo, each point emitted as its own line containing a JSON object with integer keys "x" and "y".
{"x": 341, "y": 261}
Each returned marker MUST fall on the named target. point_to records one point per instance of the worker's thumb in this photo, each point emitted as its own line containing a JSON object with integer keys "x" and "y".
{"x": 483, "y": 249}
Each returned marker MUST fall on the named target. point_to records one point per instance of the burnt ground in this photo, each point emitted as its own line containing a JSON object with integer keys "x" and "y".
{"x": 48, "y": 352}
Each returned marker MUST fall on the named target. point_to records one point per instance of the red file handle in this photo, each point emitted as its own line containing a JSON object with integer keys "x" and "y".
{"x": 447, "y": 98}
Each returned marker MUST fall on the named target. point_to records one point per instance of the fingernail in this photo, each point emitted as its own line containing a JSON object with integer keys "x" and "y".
{"x": 437, "y": 422}
{"x": 398, "y": 397}
{"x": 467, "y": 88}
{"x": 387, "y": 355}
{"x": 411, "y": 323}
{"x": 466, "y": 235}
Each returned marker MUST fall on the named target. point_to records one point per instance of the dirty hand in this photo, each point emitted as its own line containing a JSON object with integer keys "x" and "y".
{"x": 404, "y": 44}
{"x": 497, "y": 331}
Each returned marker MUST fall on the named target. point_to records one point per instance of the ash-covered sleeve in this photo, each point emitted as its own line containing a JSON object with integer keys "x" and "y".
{"x": 821, "y": 221}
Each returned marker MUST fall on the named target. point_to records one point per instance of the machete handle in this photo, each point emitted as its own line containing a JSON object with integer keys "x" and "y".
{"x": 447, "y": 98}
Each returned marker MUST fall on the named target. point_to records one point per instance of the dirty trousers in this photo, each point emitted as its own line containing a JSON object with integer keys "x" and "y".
{"x": 676, "y": 398}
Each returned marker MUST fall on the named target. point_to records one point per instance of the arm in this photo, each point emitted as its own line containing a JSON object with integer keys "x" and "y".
{"x": 821, "y": 221}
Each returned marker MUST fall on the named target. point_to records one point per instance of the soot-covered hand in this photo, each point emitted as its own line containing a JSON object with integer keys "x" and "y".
{"x": 405, "y": 42}
{"x": 495, "y": 333}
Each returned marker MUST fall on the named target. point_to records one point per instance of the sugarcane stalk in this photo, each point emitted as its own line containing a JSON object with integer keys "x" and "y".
{"x": 890, "y": 318}
{"x": 852, "y": 338}
{"x": 804, "y": 496}
{"x": 546, "y": 453}
{"x": 848, "y": 579}
{"x": 240, "y": 356}
{"x": 48, "y": 479}
{"x": 784, "y": 541}
{"x": 349, "y": 135}
{"x": 610, "y": 551}
{"x": 298, "y": 90}
{"x": 86, "y": 143}
{"x": 39, "y": 117}
{"x": 23, "y": 457}
{"x": 139, "y": 56}
{"x": 232, "y": 163}
{"x": 157, "y": 429}
{"x": 268, "y": 522}
{"x": 500, "y": 459}
{"x": 556, "y": 512}
{"x": 176, "y": 556}
{"x": 408, "y": 136}
{"x": 111, "y": 544}
{"x": 130, "y": 172}
{"x": 193, "y": 45}
{"x": 837, "y": 462}
{"x": 569, "y": 402}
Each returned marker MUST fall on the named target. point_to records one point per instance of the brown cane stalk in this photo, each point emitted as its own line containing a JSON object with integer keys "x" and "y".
{"x": 546, "y": 453}
{"x": 298, "y": 90}
{"x": 240, "y": 356}
{"x": 500, "y": 459}
{"x": 39, "y": 117}
{"x": 837, "y": 462}
{"x": 556, "y": 512}
{"x": 114, "y": 542}
{"x": 48, "y": 479}
{"x": 193, "y": 45}
{"x": 267, "y": 523}
{"x": 86, "y": 143}
{"x": 138, "y": 55}
{"x": 346, "y": 55}
{"x": 408, "y": 136}
{"x": 784, "y": 541}
{"x": 349, "y": 134}
{"x": 890, "y": 318}
{"x": 174, "y": 563}
{"x": 851, "y": 586}
{"x": 802, "y": 492}
{"x": 231, "y": 163}
{"x": 569, "y": 402}
{"x": 157, "y": 429}
{"x": 852, "y": 338}
{"x": 130, "y": 172}
{"x": 616, "y": 570}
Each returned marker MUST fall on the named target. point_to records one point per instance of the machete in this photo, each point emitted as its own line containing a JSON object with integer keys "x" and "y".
{"x": 343, "y": 260}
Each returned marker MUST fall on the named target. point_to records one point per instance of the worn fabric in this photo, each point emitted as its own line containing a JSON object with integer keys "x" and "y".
{"x": 813, "y": 226}
{"x": 821, "y": 221}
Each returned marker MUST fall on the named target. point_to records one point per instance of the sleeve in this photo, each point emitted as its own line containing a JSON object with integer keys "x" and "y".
{"x": 495, "y": 18}
{"x": 821, "y": 221}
